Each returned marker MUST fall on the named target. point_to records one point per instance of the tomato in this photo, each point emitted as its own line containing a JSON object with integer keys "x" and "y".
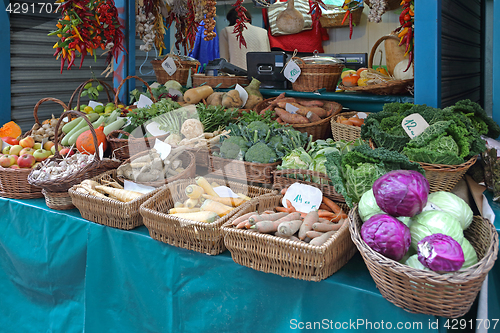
{"x": 10, "y": 140}
{"x": 350, "y": 80}
{"x": 360, "y": 70}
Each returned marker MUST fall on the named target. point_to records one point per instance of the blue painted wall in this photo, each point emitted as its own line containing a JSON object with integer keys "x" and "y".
{"x": 4, "y": 64}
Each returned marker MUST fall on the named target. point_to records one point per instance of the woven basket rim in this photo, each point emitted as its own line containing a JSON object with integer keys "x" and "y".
{"x": 482, "y": 266}
{"x": 388, "y": 86}
{"x": 344, "y": 126}
{"x": 448, "y": 167}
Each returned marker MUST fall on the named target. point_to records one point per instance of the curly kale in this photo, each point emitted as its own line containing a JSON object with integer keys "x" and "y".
{"x": 484, "y": 124}
{"x": 260, "y": 153}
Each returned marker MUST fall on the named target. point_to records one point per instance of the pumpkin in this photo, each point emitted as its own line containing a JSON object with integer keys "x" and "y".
{"x": 85, "y": 141}
{"x": 10, "y": 129}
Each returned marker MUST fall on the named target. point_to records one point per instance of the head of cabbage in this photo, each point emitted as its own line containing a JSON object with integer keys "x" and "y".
{"x": 452, "y": 204}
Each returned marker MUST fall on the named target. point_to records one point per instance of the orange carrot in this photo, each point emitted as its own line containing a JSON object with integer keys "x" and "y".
{"x": 311, "y": 218}
{"x": 290, "y": 206}
{"x": 324, "y": 207}
{"x": 325, "y": 213}
{"x": 283, "y": 190}
{"x": 241, "y": 225}
{"x": 323, "y": 220}
{"x": 282, "y": 209}
{"x": 338, "y": 217}
{"x": 313, "y": 234}
{"x": 242, "y": 218}
{"x": 335, "y": 208}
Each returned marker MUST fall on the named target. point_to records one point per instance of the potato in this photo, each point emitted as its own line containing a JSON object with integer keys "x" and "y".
{"x": 215, "y": 98}
{"x": 232, "y": 99}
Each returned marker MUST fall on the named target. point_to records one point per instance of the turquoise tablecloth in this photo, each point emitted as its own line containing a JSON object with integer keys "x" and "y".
{"x": 61, "y": 273}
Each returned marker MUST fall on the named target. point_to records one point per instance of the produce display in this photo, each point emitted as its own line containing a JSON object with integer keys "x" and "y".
{"x": 112, "y": 190}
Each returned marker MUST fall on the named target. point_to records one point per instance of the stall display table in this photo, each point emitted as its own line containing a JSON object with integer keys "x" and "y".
{"x": 61, "y": 273}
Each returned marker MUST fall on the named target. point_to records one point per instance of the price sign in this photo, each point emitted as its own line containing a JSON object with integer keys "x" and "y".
{"x": 169, "y": 66}
{"x": 243, "y": 93}
{"x": 291, "y": 71}
{"x": 304, "y": 198}
{"x": 414, "y": 124}
{"x": 291, "y": 108}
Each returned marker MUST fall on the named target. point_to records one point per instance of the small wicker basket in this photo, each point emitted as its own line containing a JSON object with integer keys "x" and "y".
{"x": 181, "y": 74}
{"x": 334, "y": 20}
{"x": 296, "y": 259}
{"x": 393, "y": 87}
{"x": 343, "y": 131}
{"x": 317, "y": 76}
{"x": 284, "y": 178}
{"x": 427, "y": 292}
{"x": 109, "y": 212}
{"x": 196, "y": 236}
{"x": 58, "y": 200}
{"x": 221, "y": 81}
{"x": 390, "y": 4}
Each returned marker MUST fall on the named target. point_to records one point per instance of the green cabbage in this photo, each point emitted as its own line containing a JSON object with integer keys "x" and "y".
{"x": 470, "y": 254}
{"x": 451, "y": 204}
{"x": 367, "y": 207}
{"x": 435, "y": 222}
{"x": 415, "y": 263}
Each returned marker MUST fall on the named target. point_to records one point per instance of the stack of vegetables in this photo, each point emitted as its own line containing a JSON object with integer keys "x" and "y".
{"x": 453, "y": 135}
{"x": 403, "y": 222}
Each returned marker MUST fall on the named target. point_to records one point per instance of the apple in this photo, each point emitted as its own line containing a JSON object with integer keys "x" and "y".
{"x": 27, "y": 142}
{"x": 65, "y": 151}
{"x": 26, "y": 161}
{"x": 10, "y": 140}
{"x": 6, "y": 150}
{"x": 15, "y": 157}
{"x": 48, "y": 145}
{"x": 37, "y": 145}
{"x": 14, "y": 166}
{"x": 15, "y": 150}
{"x": 7, "y": 160}
{"x": 35, "y": 165}
{"x": 26, "y": 150}
{"x": 53, "y": 148}
{"x": 41, "y": 154}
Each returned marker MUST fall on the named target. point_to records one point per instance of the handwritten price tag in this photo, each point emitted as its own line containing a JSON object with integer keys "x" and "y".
{"x": 169, "y": 66}
{"x": 291, "y": 108}
{"x": 414, "y": 124}
{"x": 304, "y": 198}
{"x": 292, "y": 71}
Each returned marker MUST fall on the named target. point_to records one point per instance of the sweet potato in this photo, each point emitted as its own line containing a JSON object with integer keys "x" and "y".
{"x": 312, "y": 103}
{"x": 291, "y": 118}
{"x": 313, "y": 117}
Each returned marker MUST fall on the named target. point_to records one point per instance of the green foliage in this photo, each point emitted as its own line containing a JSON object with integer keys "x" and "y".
{"x": 260, "y": 153}
{"x": 140, "y": 116}
{"x": 483, "y": 124}
{"x": 215, "y": 117}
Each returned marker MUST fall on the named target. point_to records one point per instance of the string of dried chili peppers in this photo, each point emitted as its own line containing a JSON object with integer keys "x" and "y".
{"x": 240, "y": 25}
{"x": 349, "y": 6}
{"x": 315, "y": 9}
{"x": 406, "y": 29}
{"x": 84, "y": 27}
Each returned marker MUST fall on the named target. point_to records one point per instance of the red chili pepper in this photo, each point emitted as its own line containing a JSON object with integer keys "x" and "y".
{"x": 350, "y": 25}
{"x": 84, "y": 53}
{"x": 62, "y": 64}
{"x": 345, "y": 17}
{"x": 408, "y": 39}
{"x": 403, "y": 40}
{"x": 407, "y": 18}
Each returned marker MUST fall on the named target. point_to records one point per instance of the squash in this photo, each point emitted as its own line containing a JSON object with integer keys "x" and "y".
{"x": 195, "y": 95}
{"x": 85, "y": 141}
{"x": 254, "y": 95}
{"x": 10, "y": 129}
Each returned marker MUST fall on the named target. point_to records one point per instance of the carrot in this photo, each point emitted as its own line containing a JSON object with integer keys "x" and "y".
{"x": 242, "y": 224}
{"x": 325, "y": 213}
{"x": 268, "y": 212}
{"x": 312, "y": 103}
{"x": 247, "y": 225}
{"x": 324, "y": 207}
{"x": 356, "y": 121}
{"x": 313, "y": 234}
{"x": 289, "y": 228}
{"x": 338, "y": 217}
{"x": 324, "y": 227}
{"x": 318, "y": 241}
{"x": 334, "y": 207}
{"x": 290, "y": 117}
{"x": 242, "y": 218}
{"x": 265, "y": 227}
{"x": 266, "y": 217}
{"x": 201, "y": 181}
{"x": 282, "y": 209}
{"x": 283, "y": 190}
{"x": 122, "y": 195}
{"x": 311, "y": 218}
{"x": 290, "y": 206}
{"x": 234, "y": 202}
{"x": 323, "y": 220}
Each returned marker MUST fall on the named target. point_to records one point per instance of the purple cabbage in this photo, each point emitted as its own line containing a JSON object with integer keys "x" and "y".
{"x": 387, "y": 236}
{"x": 401, "y": 192}
{"x": 440, "y": 252}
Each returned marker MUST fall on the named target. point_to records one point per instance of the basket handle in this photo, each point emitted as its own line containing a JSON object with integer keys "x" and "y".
{"x": 35, "y": 109}
{"x": 78, "y": 114}
{"x": 375, "y": 46}
{"x": 115, "y": 133}
{"x": 137, "y": 78}
{"x": 302, "y": 60}
{"x": 78, "y": 92}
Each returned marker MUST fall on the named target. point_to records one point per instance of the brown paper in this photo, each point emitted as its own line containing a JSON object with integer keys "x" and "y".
{"x": 477, "y": 192}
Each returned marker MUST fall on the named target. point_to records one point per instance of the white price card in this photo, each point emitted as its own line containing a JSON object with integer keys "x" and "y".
{"x": 304, "y": 198}
{"x": 362, "y": 115}
{"x": 414, "y": 125}
{"x": 131, "y": 186}
{"x": 243, "y": 94}
{"x": 291, "y": 71}
{"x": 291, "y": 108}
{"x": 169, "y": 66}
{"x": 225, "y": 192}
{"x": 162, "y": 148}
{"x": 144, "y": 101}
{"x": 93, "y": 104}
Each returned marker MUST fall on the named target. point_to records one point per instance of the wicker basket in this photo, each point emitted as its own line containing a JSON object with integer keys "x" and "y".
{"x": 62, "y": 184}
{"x": 196, "y": 236}
{"x": 181, "y": 74}
{"x": 393, "y": 87}
{"x": 58, "y": 200}
{"x": 116, "y": 99}
{"x": 343, "y": 131}
{"x": 427, "y": 292}
{"x": 78, "y": 92}
{"x": 271, "y": 254}
{"x": 316, "y": 76}
{"x": 320, "y": 129}
{"x": 14, "y": 184}
{"x": 188, "y": 162}
{"x": 109, "y": 212}
{"x": 221, "y": 81}
{"x": 242, "y": 170}
{"x": 35, "y": 112}
{"x": 334, "y": 20}
{"x": 285, "y": 178}
{"x": 391, "y": 4}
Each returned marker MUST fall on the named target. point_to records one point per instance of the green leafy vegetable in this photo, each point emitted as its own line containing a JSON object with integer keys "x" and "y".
{"x": 215, "y": 117}
{"x": 484, "y": 124}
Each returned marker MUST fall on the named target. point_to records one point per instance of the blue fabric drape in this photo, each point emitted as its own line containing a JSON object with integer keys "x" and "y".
{"x": 205, "y": 51}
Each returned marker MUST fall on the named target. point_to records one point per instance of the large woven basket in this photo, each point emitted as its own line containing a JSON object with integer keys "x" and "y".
{"x": 109, "y": 212}
{"x": 393, "y": 87}
{"x": 334, "y": 20}
{"x": 188, "y": 163}
{"x": 317, "y": 76}
{"x": 63, "y": 183}
{"x": 284, "y": 178}
{"x": 277, "y": 255}
{"x": 196, "y": 236}
{"x": 427, "y": 292}
{"x": 319, "y": 129}
{"x": 220, "y": 81}
{"x": 343, "y": 131}
{"x": 242, "y": 170}
{"x": 181, "y": 74}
